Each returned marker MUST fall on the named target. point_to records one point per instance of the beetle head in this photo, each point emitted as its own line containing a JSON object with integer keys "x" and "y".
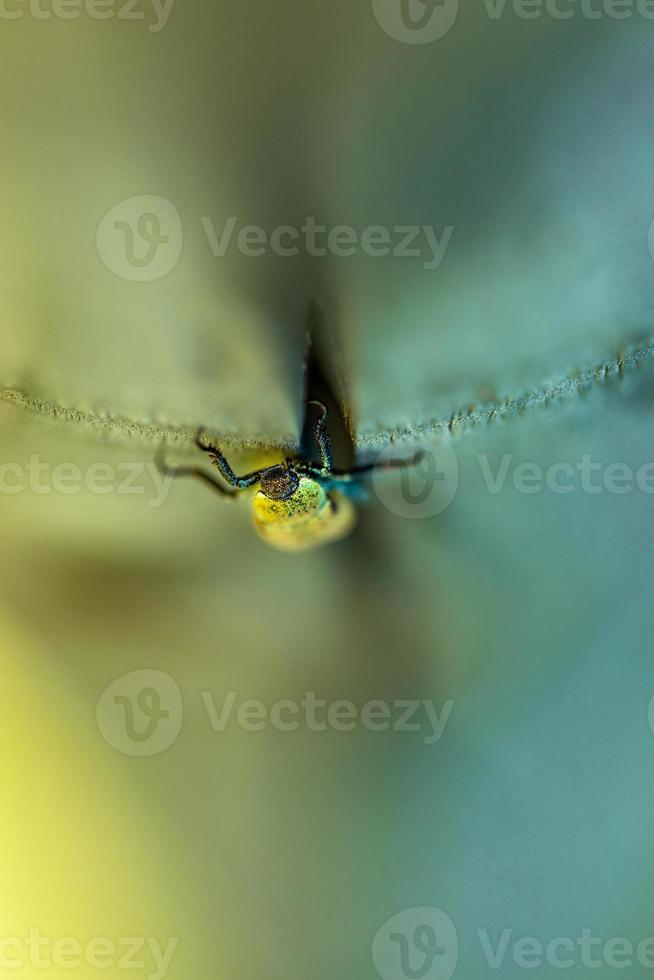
{"x": 279, "y": 482}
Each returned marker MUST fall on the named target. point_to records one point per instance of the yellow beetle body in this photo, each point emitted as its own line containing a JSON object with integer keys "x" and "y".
{"x": 298, "y": 504}
{"x": 312, "y": 516}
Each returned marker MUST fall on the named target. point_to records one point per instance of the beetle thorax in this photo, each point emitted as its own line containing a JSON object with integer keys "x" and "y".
{"x": 279, "y": 482}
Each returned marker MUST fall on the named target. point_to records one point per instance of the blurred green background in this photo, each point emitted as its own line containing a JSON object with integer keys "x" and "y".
{"x": 281, "y": 854}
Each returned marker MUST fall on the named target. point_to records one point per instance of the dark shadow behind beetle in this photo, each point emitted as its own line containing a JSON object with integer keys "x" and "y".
{"x": 377, "y": 588}
{"x": 306, "y": 500}
{"x": 372, "y": 584}
{"x": 323, "y": 382}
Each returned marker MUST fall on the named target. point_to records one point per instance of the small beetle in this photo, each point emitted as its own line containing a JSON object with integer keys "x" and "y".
{"x": 299, "y": 505}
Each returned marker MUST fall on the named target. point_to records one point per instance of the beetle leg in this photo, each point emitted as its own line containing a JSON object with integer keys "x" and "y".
{"x": 391, "y": 464}
{"x": 175, "y": 471}
{"x": 238, "y": 482}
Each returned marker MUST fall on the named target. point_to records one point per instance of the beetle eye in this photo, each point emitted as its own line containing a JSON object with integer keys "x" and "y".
{"x": 279, "y": 483}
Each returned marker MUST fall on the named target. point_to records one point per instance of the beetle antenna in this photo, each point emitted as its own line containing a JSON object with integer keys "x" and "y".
{"x": 322, "y": 436}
